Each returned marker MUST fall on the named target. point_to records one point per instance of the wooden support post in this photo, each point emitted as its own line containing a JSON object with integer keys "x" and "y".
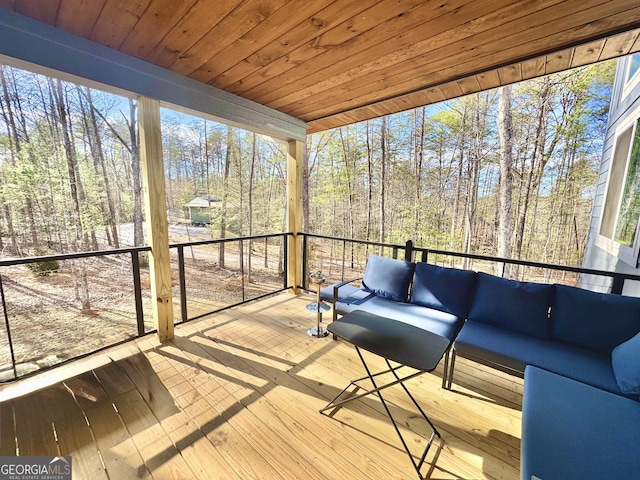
{"x": 156, "y": 215}
{"x": 294, "y": 213}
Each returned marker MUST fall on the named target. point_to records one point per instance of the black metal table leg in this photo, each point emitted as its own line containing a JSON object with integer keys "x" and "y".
{"x": 336, "y": 404}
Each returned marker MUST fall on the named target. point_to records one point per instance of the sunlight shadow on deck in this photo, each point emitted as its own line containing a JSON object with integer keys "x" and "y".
{"x": 240, "y": 393}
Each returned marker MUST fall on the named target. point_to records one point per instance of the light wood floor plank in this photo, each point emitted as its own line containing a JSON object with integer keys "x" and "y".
{"x": 7, "y": 430}
{"x": 236, "y": 396}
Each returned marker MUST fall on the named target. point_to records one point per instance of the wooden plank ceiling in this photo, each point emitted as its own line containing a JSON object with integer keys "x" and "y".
{"x": 335, "y": 62}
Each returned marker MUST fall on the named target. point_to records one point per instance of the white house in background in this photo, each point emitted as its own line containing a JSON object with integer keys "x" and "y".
{"x": 614, "y": 234}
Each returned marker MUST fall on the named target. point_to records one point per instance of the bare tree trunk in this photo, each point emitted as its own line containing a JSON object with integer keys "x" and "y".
{"x": 6, "y": 112}
{"x": 306, "y": 220}
{"x": 95, "y": 142}
{"x": 473, "y": 170}
{"x": 419, "y": 157}
{"x": 251, "y": 173}
{"x": 383, "y": 177}
{"x": 17, "y": 142}
{"x": 225, "y": 194}
{"x": 76, "y": 192}
{"x": 138, "y": 232}
{"x": 369, "y": 188}
{"x": 349, "y": 167}
{"x": 456, "y": 204}
{"x": 505, "y": 132}
{"x": 537, "y": 159}
{"x": 10, "y": 230}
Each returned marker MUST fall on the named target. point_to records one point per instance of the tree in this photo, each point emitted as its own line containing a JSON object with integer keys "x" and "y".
{"x": 225, "y": 194}
{"x": 505, "y": 131}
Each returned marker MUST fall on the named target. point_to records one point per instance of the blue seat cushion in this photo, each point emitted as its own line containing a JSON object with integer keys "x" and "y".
{"x": 625, "y": 360}
{"x": 597, "y": 321}
{"x": 388, "y": 277}
{"x": 445, "y": 289}
{"x": 442, "y": 323}
{"x": 572, "y": 430}
{"x": 516, "y": 351}
{"x": 344, "y": 291}
{"x": 521, "y": 307}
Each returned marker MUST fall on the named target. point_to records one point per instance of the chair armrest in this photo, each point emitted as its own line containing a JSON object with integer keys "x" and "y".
{"x": 334, "y": 301}
{"x": 337, "y": 286}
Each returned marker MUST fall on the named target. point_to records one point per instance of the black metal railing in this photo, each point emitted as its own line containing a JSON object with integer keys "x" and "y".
{"x": 211, "y": 276}
{"x": 42, "y": 340}
{"x": 210, "y": 249}
{"x": 43, "y": 336}
{"x": 408, "y": 251}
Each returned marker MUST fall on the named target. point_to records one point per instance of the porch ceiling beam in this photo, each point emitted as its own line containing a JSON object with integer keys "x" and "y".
{"x": 41, "y": 45}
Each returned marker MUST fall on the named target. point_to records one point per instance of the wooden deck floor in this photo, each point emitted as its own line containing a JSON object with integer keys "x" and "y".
{"x": 237, "y": 396}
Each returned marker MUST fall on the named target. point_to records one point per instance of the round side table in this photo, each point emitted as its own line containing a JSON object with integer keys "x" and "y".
{"x": 318, "y": 307}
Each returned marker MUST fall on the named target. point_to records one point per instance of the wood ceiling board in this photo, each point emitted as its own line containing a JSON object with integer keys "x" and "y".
{"x": 79, "y": 16}
{"x": 409, "y": 77}
{"x": 618, "y": 45}
{"x": 318, "y": 126}
{"x": 200, "y": 19}
{"x": 38, "y": 46}
{"x": 376, "y": 41}
{"x": 469, "y": 85}
{"x": 421, "y": 97}
{"x": 154, "y": 24}
{"x": 43, "y": 11}
{"x": 368, "y": 53}
{"x": 326, "y": 19}
{"x": 451, "y": 90}
{"x": 241, "y": 20}
{"x": 413, "y": 46}
{"x": 435, "y": 94}
{"x": 332, "y": 39}
{"x": 587, "y": 53}
{"x": 489, "y": 79}
{"x": 558, "y": 61}
{"x": 533, "y": 68}
{"x": 510, "y": 74}
{"x": 379, "y": 110}
{"x": 432, "y": 49}
{"x": 394, "y": 106}
{"x": 636, "y": 46}
{"x": 405, "y": 102}
{"x": 273, "y": 28}
{"x": 478, "y": 36}
{"x": 116, "y": 20}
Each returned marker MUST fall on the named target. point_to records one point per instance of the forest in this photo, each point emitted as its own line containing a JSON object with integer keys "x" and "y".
{"x": 507, "y": 172}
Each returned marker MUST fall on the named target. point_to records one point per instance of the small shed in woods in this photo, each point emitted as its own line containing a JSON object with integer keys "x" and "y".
{"x": 200, "y": 210}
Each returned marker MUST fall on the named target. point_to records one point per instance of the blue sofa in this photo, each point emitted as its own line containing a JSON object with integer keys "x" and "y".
{"x": 415, "y": 293}
{"x": 566, "y": 330}
{"x": 574, "y": 430}
{"x": 566, "y": 338}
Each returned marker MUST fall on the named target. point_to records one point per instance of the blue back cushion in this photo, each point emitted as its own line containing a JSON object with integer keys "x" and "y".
{"x": 597, "y": 321}
{"x": 388, "y": 277}
{"x": 445, "y": 289}
{"x": 626, "y": 366}
{"x": 522, "y": 307}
